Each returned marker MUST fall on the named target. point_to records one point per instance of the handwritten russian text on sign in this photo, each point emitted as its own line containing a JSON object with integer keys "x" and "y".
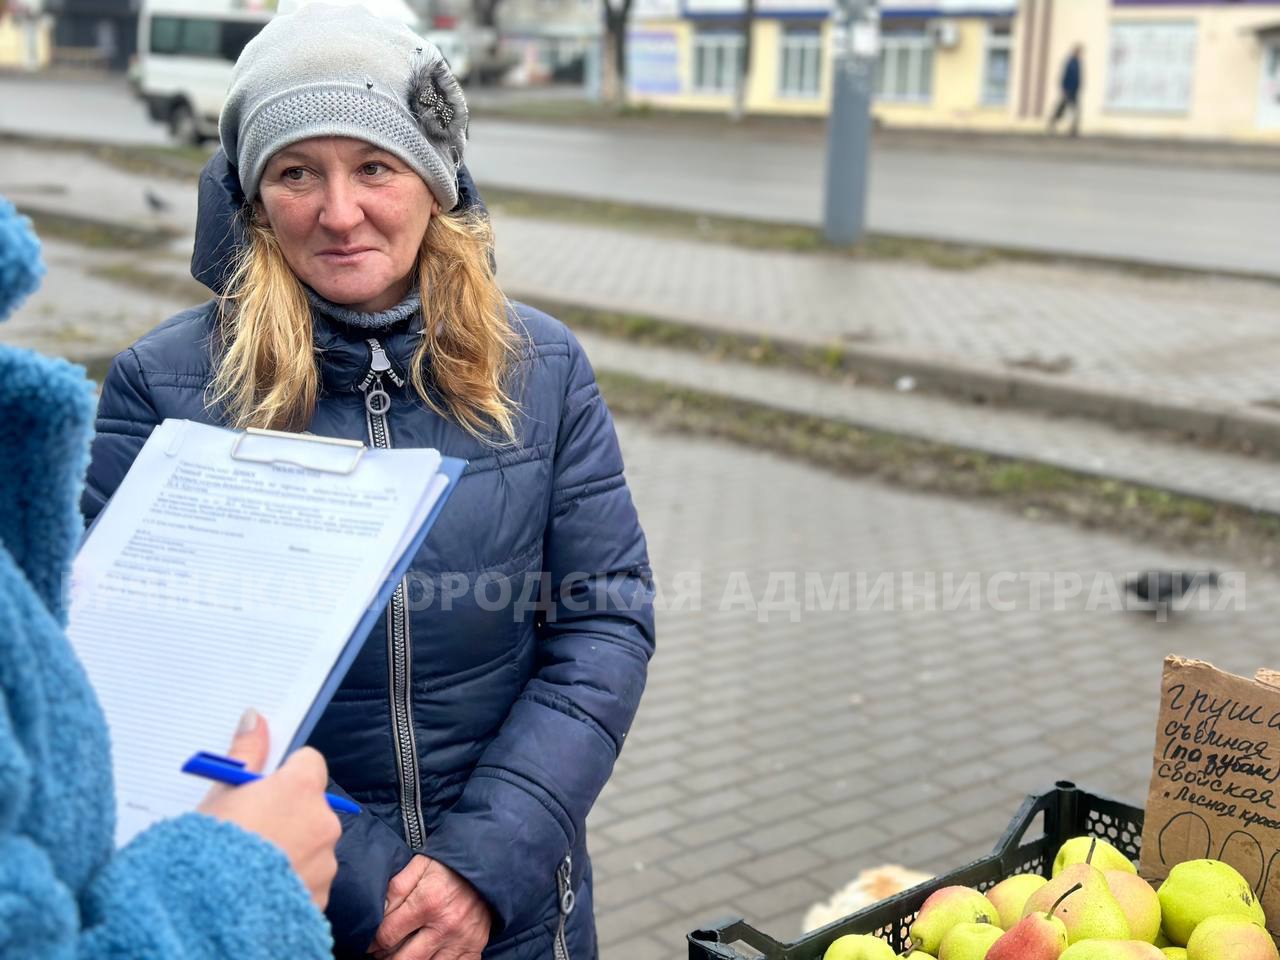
{"x": 1215, "y": 782}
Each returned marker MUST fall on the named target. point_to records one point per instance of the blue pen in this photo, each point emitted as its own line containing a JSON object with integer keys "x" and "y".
{"x": 213, "y": 766}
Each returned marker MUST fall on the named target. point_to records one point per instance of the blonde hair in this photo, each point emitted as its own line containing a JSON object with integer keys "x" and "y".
{"x": 266, "y": 374}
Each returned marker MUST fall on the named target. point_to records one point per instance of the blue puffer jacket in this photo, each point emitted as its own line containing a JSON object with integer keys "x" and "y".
{"x": 186, "y": 888}
{"x": 530, "y": 619}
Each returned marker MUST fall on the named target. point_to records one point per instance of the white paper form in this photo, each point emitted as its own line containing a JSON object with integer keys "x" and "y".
{"x": 212, "y": 584}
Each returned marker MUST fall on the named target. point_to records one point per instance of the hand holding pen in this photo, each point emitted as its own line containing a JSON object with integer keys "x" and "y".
{"x": 287, "y": 808}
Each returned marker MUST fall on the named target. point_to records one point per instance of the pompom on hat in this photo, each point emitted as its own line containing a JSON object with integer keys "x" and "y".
{"x": 340, "y": 71}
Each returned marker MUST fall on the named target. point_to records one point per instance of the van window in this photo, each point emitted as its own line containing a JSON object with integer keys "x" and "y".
{"x": 200, "y": 37}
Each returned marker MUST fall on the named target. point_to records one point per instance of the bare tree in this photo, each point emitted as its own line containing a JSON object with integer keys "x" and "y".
{"x": 613, "y": 73}
{"x": 743, "y": 79}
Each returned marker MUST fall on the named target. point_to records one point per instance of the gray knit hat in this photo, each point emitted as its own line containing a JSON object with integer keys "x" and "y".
{"x": 339, "y": 71}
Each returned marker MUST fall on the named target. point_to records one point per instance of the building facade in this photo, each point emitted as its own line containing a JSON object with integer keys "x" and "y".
{"x": 1154, "y": 68}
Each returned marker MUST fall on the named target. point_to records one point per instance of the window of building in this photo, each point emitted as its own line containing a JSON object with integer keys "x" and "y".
{"x": 905, "y": 69}
{"x": 1151, "y": 66}
{"x": 717, "y": 60}
{"x": 801, "y": 71}
{"x": 997, "y": 64}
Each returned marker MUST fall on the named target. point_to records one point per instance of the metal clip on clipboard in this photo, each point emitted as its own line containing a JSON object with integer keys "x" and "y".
{"x": 305, "y": 450}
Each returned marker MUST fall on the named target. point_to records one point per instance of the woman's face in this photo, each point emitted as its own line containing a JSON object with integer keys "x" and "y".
{"x": 349, "y": 218}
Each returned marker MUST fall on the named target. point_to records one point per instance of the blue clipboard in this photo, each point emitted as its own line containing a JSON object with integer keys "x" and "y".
{"x": 451, "y": 467}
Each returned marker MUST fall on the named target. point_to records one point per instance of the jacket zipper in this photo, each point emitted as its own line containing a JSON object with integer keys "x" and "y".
{"x": 377, "y": 405}
{"x": 564, "y": 891}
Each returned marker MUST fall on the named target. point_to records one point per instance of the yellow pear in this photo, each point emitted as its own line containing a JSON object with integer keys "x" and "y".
{"x": 1138, "y": 900}
{"x": 859, "y": 946}
{"x": 1091, "y": 850}
{"x": 1198, "y": 889}
{"x": 1174, "y": 953}
{"x": 1230, "y": 938}
{"x": 1009, "y": 896}
{"x": 1091, "y": 913}
{"x": 1112, "y": 950}
{"x": 943, "y": 910}
{"x": 969, "y": 941}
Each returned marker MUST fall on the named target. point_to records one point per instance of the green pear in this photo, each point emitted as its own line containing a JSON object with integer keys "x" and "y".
{"x": 1174, "y": 953}
{"x": 918, "y": 955}
{"x": 1230, "y": 938}
{"x": 1090, "y": 913}
{"x": 1161, "y": 940}
{"x": 1009, "y": 896}
{"x": 969, "y": 941}
{"x": 859, "y": 946}
{"x": 943, "y": 910}
{"x": 1037, "y": 936}
{"x": 1198, "y": 889}
{"x": 1112, "y": 950}
{"x": 1138, "y": 900}
{"x": 1091, "y": 850}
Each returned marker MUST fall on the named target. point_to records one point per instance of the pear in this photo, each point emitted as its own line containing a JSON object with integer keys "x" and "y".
{"x": 1230, "y": 938}
{"x": 1094, "y": 851}
{"x": 1090, "y": 913}
{"x": 943, "y": 910}
{"x": 918, "y": 955}
{"x": 1009, "y": 896}
{"x": 1174, "y": 953}
{"x": 1138, "y": 900}
{"x": 859, "y": 946}
{"x": 969, "y": 941}
{"x": 1198, "y": 889}
{"x": 1112, "y": 950}
{"x": 1037, "y": 936}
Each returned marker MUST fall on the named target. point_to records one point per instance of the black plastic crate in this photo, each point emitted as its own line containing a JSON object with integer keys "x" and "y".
{"x": 1066, "y": 811}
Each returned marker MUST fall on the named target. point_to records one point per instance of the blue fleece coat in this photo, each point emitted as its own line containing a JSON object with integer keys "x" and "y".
{"x": 190, "y": 887}
{"x": 530, "y": 614}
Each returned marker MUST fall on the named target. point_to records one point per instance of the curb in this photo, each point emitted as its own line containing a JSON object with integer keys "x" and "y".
{"x": 1211, "y": 423}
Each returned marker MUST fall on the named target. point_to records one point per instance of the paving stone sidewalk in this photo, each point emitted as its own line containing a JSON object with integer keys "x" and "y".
{"x": 782, "y": 747}
{"x": 1196, "y": 341}
{"x": 1081, "y": 445}
{"x": 772, "y": 760}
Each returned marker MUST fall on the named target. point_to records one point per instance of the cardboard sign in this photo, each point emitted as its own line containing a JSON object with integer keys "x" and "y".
{"x": 1215, "y": 781}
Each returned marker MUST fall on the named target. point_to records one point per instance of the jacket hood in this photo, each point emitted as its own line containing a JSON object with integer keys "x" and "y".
{"x": 219, "y": 233}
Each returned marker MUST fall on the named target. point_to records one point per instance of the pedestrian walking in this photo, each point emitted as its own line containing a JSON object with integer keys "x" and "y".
{"x": 1069, "y": 95}
{"x": 486, "y": 710}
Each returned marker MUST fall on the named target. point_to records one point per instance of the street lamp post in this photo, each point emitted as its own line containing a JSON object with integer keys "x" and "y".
{"x": 856, "y": 37}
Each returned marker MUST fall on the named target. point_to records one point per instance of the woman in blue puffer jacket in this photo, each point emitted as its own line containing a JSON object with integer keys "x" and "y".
{"x": 485, "y": 713}
{"x": 197, "y": 886}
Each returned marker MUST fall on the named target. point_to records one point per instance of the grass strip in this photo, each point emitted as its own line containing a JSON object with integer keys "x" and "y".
{"x": 96, "y": 234}
{"x": 1033, "y": 490}
{"x": 173, "y": 286}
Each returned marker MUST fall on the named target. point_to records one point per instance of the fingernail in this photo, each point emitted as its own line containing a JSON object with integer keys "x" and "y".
{"x": 248, "y": 722}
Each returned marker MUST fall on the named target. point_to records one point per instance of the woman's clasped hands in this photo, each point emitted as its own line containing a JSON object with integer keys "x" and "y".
{"x": 431, "y": 913}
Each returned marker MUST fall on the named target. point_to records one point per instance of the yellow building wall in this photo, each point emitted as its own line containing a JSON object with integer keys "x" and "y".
{"x": 1226, "y": 76}
{"x": 762, "y": 85}
{"x": 13, "y": 42}
{"x": 958, "y": 74}
{"x": 1224, "y": 102}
